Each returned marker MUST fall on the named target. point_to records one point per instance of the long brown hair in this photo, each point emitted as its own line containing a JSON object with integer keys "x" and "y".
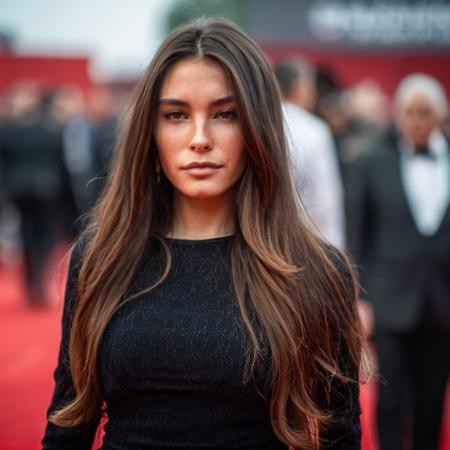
{"x": 295, "y": 294}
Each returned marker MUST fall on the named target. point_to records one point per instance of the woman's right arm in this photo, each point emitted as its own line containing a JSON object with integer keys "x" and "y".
{"x": 55, "y": 437}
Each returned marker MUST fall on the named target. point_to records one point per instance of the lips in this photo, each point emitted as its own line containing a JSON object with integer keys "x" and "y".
{"x": 202, "y": 165}
{"x": 202, "y": 169}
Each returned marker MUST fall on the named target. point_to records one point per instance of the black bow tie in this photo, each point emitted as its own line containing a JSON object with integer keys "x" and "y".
{"x": 424, "y": 152}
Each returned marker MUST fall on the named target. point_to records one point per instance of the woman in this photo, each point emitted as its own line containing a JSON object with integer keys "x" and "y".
{"x": 200, "y": 312}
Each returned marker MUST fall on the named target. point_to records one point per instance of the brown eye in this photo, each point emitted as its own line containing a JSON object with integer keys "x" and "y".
{"x": 175, "y": 115}
{"x": 228, "y": 114}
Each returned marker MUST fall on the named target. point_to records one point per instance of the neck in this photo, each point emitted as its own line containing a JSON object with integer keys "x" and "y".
{"x": 202, "y": 218}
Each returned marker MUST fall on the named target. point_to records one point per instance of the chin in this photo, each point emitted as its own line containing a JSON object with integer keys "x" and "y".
{"x": 202, "y": 195}
{"x": 420, "y": 142}
{"x": 203, "y": 192}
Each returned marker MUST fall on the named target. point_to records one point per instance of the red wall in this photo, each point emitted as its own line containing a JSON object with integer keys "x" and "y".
{"x": 48, "y": 71}
{"x": 385, "y": 68}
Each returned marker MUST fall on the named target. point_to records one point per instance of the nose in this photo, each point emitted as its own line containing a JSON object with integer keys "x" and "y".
{"x": 200, "y": 139}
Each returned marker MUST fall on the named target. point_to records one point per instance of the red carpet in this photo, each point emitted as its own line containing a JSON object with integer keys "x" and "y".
{"x": 28, "y": 352}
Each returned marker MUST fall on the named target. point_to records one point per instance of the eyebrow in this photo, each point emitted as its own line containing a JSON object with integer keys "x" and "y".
{"x": 178, "y": 102}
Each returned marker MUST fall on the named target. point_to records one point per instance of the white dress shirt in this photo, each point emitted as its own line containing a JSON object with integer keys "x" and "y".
{"x": 316, "y": 172}
{"x": 426, "y": 181}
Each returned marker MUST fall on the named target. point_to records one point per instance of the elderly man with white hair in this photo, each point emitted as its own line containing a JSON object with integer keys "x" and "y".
{"x": 398, "y": 231}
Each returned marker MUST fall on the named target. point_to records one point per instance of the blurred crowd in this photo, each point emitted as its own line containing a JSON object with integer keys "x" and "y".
{"x": 55, "y": 145}
{"x": 373, "y": 175}
{"x": 374, "y": 178}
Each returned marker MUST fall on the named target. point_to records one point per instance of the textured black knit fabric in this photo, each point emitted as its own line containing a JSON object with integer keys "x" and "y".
{"x": 172, "y": 364}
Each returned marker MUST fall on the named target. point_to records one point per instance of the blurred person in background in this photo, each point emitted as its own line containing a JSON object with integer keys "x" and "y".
{"x": 33, "y": 177}
{"x": 297, "y": 79}
{"x": 399, "y": 235}
{"x": 103, "y": 118}
{"x": 68, "y": 108}
{"x": 5, "y": 117}
{"x": 369, "y": 104}
{"x": 5, "y": 111}
{"x": 88, "y": 128}
{"x": 446, "y": 126}
{"x": 313, "y": 155}
{"x": 357, "y": 118}
{"x": 326, "y": 82}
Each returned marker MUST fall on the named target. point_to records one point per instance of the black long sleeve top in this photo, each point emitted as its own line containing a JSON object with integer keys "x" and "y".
{"x": 172, "y": 363}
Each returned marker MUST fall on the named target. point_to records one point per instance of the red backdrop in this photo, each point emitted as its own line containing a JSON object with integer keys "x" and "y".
{"x": 49, "y": 71}
{"x": 386, "y": 68}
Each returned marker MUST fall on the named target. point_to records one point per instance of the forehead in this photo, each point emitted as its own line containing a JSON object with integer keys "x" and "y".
{"x": 196, "y": 76}
{"x": 418, "y": 100}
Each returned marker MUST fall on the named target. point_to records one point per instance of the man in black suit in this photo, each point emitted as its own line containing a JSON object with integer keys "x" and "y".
{"x": 35, "y": 183}
{"x": 398, "y": 228}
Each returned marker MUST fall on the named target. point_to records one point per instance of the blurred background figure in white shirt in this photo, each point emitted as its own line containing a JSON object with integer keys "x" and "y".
{"x": 314, "y": 162}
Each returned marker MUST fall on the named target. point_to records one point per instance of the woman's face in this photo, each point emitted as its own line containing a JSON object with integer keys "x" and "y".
{"x": 198, "y": 134}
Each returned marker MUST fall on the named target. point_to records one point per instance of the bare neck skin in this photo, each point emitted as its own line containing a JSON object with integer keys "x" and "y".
{"x": 202, "y": 218}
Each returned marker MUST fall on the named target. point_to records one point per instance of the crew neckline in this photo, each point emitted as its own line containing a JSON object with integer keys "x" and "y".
{"x": 200, "y": 241}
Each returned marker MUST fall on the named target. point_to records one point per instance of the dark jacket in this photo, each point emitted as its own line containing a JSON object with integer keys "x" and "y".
{"x": 405, "y": 274}
{"x": 31, "y": 162}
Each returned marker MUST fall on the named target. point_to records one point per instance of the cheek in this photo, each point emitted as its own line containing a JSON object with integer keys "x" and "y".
{"x": 238, "y": 169}
{"x": 419, "y": 127}
{"x": 166, "y": 144}
{"x": 164, "y": 139}
{"x": 410, "y": 125}
{"x": 236, "y": 154}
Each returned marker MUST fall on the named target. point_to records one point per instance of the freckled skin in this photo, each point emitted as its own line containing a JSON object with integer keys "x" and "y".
{"x": 194, "y": 129}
